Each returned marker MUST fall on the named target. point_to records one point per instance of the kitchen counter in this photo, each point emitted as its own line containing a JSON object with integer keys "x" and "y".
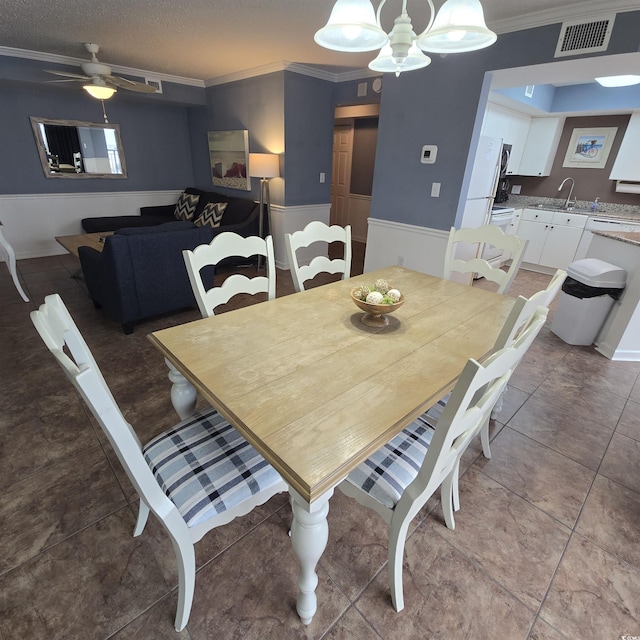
{"x": 619, "y": 338}
{"x": 632, "y": 237}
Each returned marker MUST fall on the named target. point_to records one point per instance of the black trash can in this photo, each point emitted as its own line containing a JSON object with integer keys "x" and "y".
{"x": 588, "y": 294}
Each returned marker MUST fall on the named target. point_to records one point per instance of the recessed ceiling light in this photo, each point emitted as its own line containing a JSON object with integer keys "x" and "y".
{"x": 618, "y": 81}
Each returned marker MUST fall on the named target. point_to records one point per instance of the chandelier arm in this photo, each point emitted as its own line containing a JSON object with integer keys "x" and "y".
{"x": 379, "y": 11}
{"x": 431, "y": 18}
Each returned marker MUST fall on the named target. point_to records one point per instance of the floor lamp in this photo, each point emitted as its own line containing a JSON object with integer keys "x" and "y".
{"x": 264, "y": 166}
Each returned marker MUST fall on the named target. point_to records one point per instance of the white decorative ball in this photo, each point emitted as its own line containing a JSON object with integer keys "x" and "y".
{"x": 394, "y": 294}
{"x": 375, "y": 297}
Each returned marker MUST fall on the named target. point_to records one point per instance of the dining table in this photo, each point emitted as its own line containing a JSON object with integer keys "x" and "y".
{"x": 316, "y": 391}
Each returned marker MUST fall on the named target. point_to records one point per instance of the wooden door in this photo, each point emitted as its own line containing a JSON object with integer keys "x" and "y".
{"x": 341, "y": 174}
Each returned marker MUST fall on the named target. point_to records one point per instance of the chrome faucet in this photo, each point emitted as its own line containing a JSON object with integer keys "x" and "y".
{"x": 568, "y": 202}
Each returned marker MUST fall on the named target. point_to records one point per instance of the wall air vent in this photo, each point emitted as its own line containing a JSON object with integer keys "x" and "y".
{"x": 590, "y": 35}
{"x": 155, "y": 83}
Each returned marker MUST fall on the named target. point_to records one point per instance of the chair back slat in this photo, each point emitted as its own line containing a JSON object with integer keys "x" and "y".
{"x": 59, "y": 332}
{"x": 524, "y": 309}
{"x": 468, "y": 408}
{"x": 317, "y": 231}
{"x": 229, "y": 245}
{"x": 511, "y": 246}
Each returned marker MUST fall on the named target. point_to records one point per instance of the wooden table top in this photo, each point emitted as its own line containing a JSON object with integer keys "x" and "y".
{"x": 71, "y": 243}
{"x": 314, "y": 389}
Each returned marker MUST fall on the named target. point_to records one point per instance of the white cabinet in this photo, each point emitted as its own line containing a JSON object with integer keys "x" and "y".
{"x": 553, "y": 236}
{"x": 541, "y": 146}
{"x": 512, "y": 127}
{"x": 626, "y": 166}
{"x": 512, "y": 229}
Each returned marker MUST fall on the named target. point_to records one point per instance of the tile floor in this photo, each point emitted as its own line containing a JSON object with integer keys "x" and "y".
{"x": 547, "y": 543}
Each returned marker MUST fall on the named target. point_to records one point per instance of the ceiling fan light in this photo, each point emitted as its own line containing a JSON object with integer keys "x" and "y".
{"x": 384, "y": 62}
{"x": 352, "y": 27}
{"x": 618, "y": 81}
{"x": 459, "y": 26}
{"x": 98, "y": 91}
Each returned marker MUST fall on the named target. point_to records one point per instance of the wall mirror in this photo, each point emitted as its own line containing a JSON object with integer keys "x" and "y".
{"x": 72, "y": 149}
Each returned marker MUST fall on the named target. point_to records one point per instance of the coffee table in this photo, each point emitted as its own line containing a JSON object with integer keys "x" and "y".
{"x": 95, "y": 240}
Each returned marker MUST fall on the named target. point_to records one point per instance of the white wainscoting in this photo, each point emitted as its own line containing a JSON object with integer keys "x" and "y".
{"x": 290, "y": 219}
{"x": 358, "y": 209}
{"x": 418, "y": 248}
{"x": 31, "y": 222}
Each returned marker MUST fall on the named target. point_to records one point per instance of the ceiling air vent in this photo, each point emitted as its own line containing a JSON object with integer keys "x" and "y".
{"x": 590, "y": 35}
{"x": 155, "y": 83}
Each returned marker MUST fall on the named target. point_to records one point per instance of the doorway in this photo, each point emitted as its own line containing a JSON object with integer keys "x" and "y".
{"x": 354, "y": 148}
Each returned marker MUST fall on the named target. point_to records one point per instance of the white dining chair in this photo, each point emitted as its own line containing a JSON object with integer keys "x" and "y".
{"x": 512, "y": 247}
{"x": 198, "y": 475}
{"x": 317, "y": 231}
{"x": 8, "y": 255}
{"x": 400, "y": 477}
{"x": 229, "y": 245}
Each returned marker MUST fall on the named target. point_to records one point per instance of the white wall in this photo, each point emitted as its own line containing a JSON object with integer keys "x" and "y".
{"x": 32, "y": 222}
{"x": 418, "y": 248}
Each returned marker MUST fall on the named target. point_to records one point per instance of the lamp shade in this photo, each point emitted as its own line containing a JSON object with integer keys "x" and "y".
{"x": 264, "y": 165}
{"x": 458, "y": 27}
{"x": 352, "y": 26}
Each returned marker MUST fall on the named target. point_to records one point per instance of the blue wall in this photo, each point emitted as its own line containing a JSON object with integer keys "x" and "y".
{"x": 256, "y": 104}
{"x": 440, "y": 105}
{"x": 156, "y": 139}
{"x": 309, "y": 114}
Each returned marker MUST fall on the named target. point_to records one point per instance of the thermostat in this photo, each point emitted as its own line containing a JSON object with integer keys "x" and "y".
{"x": 429, "y": 153}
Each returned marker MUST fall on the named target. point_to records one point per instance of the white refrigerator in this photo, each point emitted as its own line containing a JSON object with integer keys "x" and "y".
{"x": 484, "y": 182}
{"x": 482, "y": 188}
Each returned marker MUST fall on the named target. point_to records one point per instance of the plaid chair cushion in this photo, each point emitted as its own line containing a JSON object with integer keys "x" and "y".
{"x": 206, "y": 467}
{"x": 387, "y": 473}
{"x": 390, "y": 470}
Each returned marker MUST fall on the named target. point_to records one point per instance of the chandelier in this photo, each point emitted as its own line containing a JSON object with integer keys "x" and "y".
{"x": 353, "y": 26}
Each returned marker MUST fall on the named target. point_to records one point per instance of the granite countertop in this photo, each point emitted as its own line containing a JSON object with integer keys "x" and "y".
{"x": 631, "y": 237}
{"x": 606, "y": 209}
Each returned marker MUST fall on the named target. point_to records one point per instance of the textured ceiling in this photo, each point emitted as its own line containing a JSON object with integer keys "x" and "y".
{"x": 208, "y": 39}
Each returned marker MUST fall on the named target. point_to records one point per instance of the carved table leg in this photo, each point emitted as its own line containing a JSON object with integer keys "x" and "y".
{"x": 309, "y": 535}
{"x": 183, "y": 393}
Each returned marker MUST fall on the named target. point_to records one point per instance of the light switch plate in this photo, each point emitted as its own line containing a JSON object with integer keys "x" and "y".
{"x": 435, "y": 189}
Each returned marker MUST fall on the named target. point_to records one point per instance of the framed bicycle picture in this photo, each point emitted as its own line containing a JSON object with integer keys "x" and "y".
{"x": 589, "y": 148}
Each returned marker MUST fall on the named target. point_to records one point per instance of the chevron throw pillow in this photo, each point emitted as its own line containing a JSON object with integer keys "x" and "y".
{"x": 211, "y": 214}
{"x": 186, "y": 206}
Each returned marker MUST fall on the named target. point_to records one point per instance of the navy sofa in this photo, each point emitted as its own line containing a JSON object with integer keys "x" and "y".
{"x": 240, "y": 216}
{"x": 141, "y": 272}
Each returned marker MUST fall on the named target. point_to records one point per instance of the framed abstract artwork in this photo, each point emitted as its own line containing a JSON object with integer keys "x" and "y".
{"x": 229, "y": 156}
{"x": 589, "y": 148}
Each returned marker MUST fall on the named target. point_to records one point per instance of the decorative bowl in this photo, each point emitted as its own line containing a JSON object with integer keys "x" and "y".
{"x": 375, "y": 314}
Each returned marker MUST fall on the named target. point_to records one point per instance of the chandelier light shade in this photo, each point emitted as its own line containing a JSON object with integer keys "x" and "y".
{"x": 618, "y": 81}
{"x": 352, "y": 26}
{"x": 458, "y": 27}
{"x": 385, "y": 62}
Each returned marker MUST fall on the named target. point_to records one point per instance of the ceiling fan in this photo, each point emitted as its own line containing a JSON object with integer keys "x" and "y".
{"x": 99, "y": 81}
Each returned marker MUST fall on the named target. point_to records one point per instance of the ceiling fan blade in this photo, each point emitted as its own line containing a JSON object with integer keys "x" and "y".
{"x": 124, "y": 83}
{"x": 67, "y": 80}
{"x": 67, "y": 74}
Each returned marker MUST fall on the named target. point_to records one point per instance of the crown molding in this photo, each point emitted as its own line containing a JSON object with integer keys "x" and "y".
{"x": 587, "y": 9}
{"x": 57, "y": 59}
